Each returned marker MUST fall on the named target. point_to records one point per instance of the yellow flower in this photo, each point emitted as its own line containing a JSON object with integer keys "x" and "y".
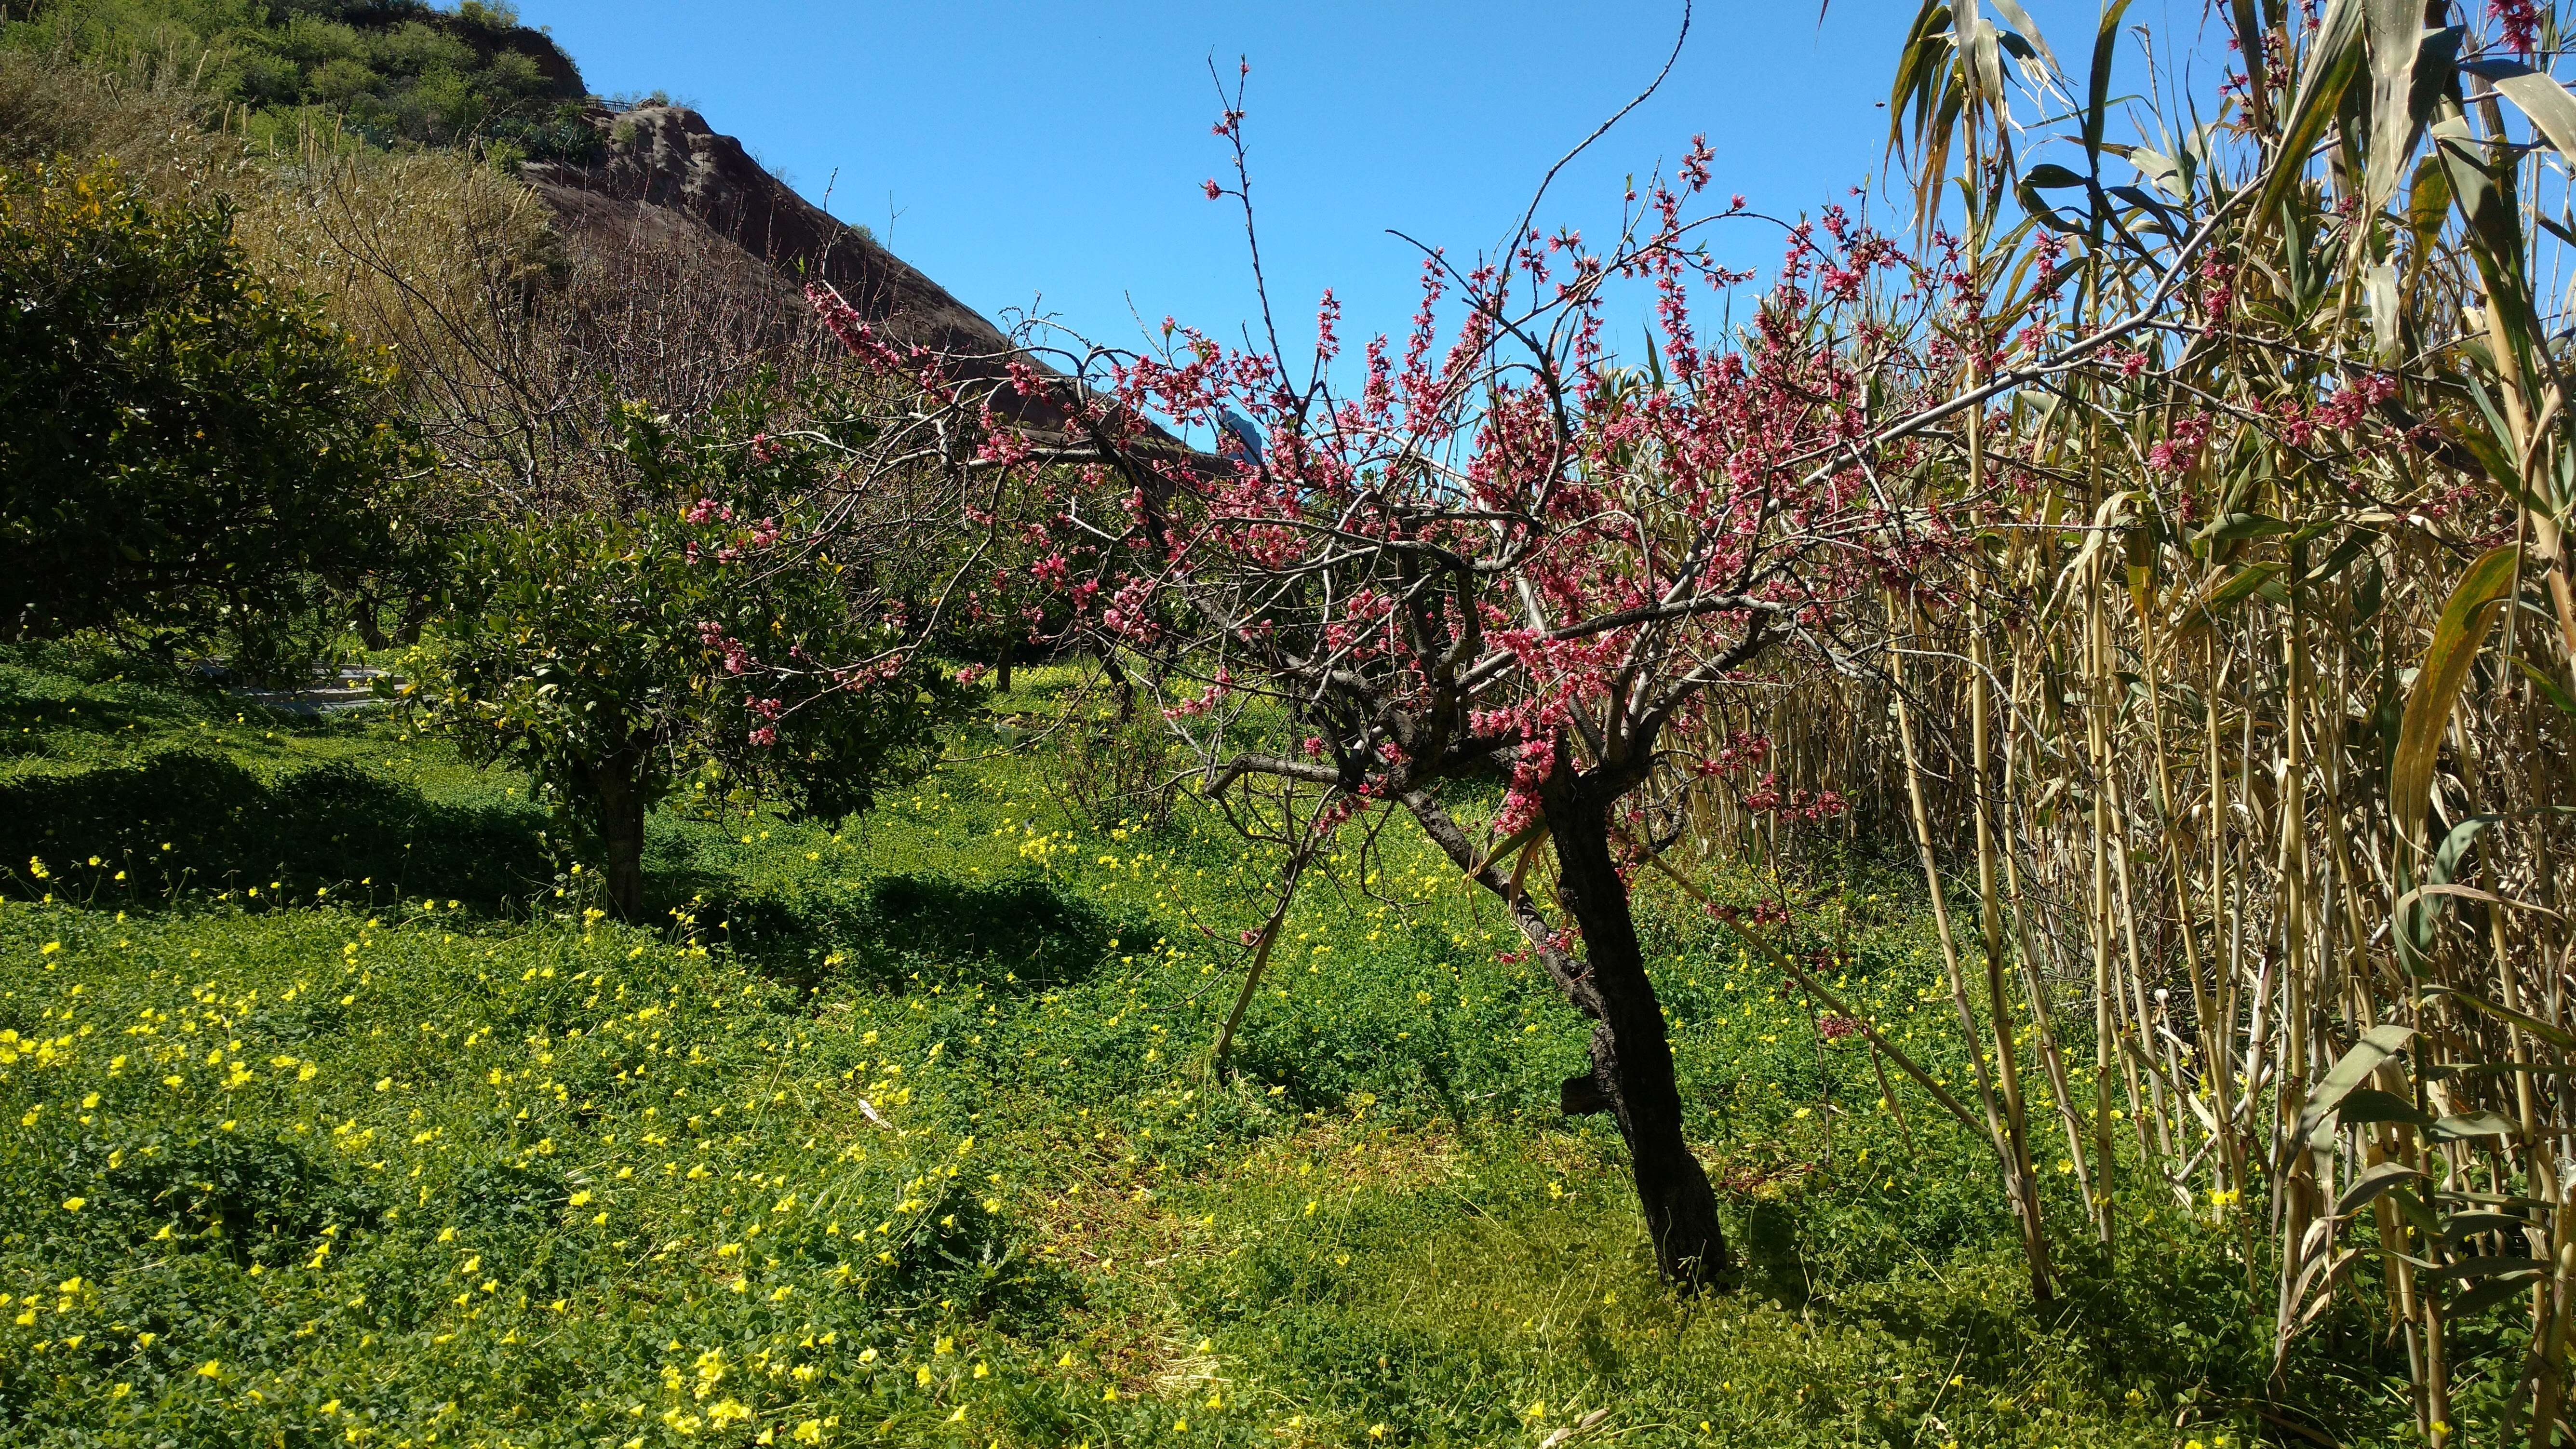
{"x": 809, "y": 1432}
{"x": 210, "y": 1369}
{"x": 74, "y": 1204}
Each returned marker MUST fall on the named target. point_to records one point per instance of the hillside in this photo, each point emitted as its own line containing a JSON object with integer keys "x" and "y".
{"x": 635, "y": 190}
{"x": 661, "y": 180}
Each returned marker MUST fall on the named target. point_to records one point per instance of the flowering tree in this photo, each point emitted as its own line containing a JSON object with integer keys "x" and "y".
{"x": 1504, "y": 558}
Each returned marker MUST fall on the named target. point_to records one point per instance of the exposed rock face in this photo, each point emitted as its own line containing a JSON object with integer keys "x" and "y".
{"x": 666, "y": 174}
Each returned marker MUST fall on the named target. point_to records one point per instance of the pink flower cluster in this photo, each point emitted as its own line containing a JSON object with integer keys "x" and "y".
{"x": 737, "y": 657}
{"x": 2341, "y": 412}
{"x": 2517, "y": 24}
{"x": 2180, "y": 447}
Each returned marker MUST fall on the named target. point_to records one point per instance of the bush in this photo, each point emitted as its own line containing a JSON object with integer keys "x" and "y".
{"x": 189, "y": 457}
{"x": 1108, "y": 772}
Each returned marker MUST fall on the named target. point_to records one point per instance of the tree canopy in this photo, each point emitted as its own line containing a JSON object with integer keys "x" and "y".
{"x": 191, "y": 459}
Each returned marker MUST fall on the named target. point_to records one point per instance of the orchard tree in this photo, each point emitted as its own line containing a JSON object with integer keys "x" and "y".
{"x": 1507, "y": 559}
{"x": 1509, "y": 556}
{"x": 190, "y": 458}
{"x": 700, "y": 633}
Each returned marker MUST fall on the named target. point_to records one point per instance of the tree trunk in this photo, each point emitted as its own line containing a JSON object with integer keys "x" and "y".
{"x": 371, "y": 625}
{"x": 1118, "y": 678}
{"x": 621, "y": 831}
{"x": 417, "y": 614}
{"x": 1002, "y": 671}
{"x": 1632, "y": 1061}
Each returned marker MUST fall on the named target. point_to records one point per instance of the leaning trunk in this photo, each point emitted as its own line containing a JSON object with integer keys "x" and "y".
{"x": 1632, "y": 1060}
{"x": 621, "y": 831}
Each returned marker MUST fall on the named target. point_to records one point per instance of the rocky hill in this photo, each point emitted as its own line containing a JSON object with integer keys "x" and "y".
{"x": 663, "y": 189}
{"x": 662, "y": 171}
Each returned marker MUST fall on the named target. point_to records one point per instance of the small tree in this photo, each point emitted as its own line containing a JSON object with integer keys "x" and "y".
{"x": 188, "y": 456}
{"x": 699, "y": 633}
{"x": 1506, "y": 557}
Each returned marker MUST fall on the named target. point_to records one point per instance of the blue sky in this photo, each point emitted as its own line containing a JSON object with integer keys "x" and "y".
{"x": 1051, "y": 155}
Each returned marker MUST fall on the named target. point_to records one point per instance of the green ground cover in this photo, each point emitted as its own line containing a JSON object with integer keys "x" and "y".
{"x": 341, "y": 1115}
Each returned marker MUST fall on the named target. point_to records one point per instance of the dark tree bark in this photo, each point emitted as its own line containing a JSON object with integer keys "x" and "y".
{"x": 1632, "y": 1059}
{"x": 370, "y": 621}
{"x": 1118, "y": 680}
{"x": 417, "y": 615}
{"x": 621, "y": 832}
{"x": 1002, "y": 671}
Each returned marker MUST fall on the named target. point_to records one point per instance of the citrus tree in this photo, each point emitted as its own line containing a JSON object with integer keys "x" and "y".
{"x": 191, "y": 459}
{"x": 698, "y": 633}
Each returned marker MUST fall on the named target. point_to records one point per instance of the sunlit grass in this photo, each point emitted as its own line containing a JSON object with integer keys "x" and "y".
{"x": 903, "y": 1132}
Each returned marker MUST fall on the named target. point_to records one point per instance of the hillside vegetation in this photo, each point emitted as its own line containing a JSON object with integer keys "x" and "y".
{"x": 393, "y": 71}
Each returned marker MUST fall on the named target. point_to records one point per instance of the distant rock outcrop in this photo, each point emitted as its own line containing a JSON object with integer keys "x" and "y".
{"x": 665, "y": 178}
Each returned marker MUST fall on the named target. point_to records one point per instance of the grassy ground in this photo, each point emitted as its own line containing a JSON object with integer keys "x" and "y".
{"x": 343, "y": 1116}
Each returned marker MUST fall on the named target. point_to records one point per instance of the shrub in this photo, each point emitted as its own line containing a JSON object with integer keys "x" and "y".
{"x": 190, "y": 457}
{"x": 1107, "y": 772}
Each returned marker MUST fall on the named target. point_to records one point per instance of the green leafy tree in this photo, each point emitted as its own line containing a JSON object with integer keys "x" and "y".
{"x": 696, "y": 634}
{"x": 189, "y": 458}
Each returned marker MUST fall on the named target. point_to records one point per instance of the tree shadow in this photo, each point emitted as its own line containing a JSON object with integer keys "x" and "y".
{"x": 1009, "y": 936}
{"x": 152, "y": 832}
{"x": 2168, "y": 1311}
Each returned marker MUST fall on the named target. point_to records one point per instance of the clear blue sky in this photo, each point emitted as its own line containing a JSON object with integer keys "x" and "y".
{"x": 1051, "y": 154}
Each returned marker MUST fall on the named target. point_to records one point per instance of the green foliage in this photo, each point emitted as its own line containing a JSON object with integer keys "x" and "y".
{"x": 190, "y": 459}
{"x": 394, "y": 71}
{"x": 613, "y": 658}
{"x": 477, "y": 1169}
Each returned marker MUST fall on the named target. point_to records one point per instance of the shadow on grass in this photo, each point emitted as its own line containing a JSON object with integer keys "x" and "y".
{"x": 184, "y": 820}
{"x": 1009, "y": 936}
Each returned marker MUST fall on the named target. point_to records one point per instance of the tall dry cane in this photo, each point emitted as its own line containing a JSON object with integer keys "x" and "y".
{"x": 2097, "y": 743}
{"x": 2035, "y": 987}
{"x": 2016, "y": 1119}
{"x": 2224, "y": 1157}
{"x": 2011, "y": 1148}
